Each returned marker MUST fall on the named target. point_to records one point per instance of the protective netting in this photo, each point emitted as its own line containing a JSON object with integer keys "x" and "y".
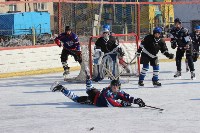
{"x": 129, "y": 44}
{"x": 87, "y": 17}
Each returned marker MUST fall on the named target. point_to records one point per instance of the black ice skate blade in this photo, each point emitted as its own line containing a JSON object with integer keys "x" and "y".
{"x": 155, "y": 86}
{"x": 140, "y": 86}
{"x": 193, "y": 78}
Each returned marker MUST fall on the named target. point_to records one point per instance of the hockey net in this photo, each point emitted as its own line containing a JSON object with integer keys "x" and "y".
{"x": 129, "y": 44}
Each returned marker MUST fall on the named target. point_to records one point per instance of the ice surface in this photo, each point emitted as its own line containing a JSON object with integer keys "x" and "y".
{"x": 28, "y": 106}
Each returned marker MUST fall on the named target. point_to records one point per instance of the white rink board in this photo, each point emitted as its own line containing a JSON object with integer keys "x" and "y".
{"x": 32, "y": 59}
{"x": 20, "y": 60}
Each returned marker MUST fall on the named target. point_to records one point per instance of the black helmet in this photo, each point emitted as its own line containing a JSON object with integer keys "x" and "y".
{"x": 115, "y": 83}
{"x": 177, "y": 20}
{"x": 67, "y": 28}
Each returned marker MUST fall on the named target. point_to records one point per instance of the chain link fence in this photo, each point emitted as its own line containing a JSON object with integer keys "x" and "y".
{"x": 87, "y": 17}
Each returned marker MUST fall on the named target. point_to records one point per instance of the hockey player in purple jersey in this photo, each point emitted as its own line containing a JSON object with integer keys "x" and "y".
{"x": 149, "y": 48}
{"x": 71, "y": 46}
{"x": 111, "y": 96}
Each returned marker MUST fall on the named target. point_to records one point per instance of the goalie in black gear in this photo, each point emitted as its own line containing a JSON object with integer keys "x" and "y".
{"x": 149, "y": 48}
{"x": 180, "y": 39}
{"x": 106, "y": 54}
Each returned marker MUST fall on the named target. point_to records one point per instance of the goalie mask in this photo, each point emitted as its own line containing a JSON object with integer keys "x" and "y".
{"x": 106, "y": 31}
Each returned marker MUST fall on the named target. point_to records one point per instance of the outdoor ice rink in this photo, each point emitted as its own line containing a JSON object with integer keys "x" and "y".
{"x": 28, "y": 106}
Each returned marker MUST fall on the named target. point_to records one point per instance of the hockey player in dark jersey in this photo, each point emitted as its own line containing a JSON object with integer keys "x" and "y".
{"x": 107, "y": 45}
{"x": 180, "y": 39}
{"x": 111, "y": 96}
{"x": 195, "y": 36}
{"x": 149, "y": 48}
{"x": 71, "y": 46}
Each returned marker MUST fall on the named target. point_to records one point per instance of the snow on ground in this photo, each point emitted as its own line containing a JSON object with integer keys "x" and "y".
{"x": 28, "y": 106}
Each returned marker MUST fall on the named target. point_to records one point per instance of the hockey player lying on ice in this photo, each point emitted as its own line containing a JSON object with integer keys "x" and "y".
{"x": 111, "y": 96}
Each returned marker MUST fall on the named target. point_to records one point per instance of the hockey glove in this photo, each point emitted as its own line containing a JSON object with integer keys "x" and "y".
{"x": 170, "y": 56}
{"x": 173, "y": 44}
{"x": 139, "y": 101}
{"x": 125, "y": 104}
{"x": 58, "y": 42}
{"x": 120, "y": 51}
{"x": 137, "y": 54}
{"x": 78, "y": 48}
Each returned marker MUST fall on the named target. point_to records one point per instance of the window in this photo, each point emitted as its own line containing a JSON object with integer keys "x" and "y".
{"x": 40, "y": 6}
{"x": 12, "y": 8}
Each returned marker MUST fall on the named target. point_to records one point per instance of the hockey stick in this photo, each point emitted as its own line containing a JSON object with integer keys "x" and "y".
{"x": 154, "y": 107}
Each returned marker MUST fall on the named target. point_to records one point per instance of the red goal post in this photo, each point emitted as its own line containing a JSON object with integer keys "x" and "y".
{"x": 125, "y": 40}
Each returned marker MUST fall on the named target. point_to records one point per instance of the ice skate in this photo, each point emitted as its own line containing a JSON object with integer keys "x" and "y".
{"x": 193, "y": 75}
{"x": 56, "y": 86}
{"x": 66, "y": 72}
{"x": 140, "y": 84}
{"x": 177, "y": 74}
{"x": 156, "y": 84}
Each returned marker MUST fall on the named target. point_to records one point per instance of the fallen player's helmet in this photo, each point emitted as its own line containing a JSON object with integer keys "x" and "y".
{"x": 115, "y": 83}
{"x": 177, "y": 20}
{"x": 157, "y": 30}
{"x": 106, "y": 28}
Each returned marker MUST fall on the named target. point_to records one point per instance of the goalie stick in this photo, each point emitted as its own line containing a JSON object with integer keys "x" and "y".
{"x": 112, "y": 76}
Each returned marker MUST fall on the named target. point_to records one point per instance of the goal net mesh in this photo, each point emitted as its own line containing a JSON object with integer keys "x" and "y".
{"x": 128, "y": 43}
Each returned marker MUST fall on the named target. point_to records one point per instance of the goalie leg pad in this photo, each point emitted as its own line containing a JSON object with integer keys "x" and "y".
{"x": 110, "y": 62}
{"x": 98, "y": 55}
{"x": 98, "y": 73}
